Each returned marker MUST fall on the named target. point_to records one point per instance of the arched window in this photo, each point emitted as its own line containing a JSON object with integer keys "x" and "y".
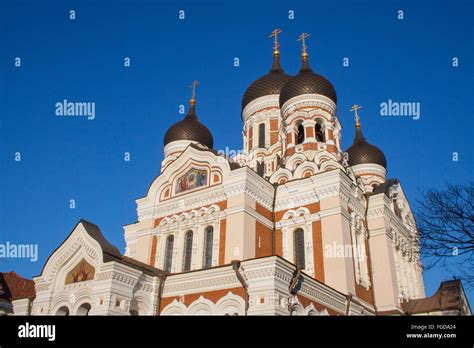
{"x": 168, "y": 253}
{"x": 261, "y": 168}
{"x": 84, "y": 309}
{"x": 208, "y": 239}
{"x": 188, "y": 251}
{"x": 318, "y": 131}
{"x": 261, "y": 136}
{"x": 298, "y": 244}
{"x": 300, "y": 134}
{"x": 63, "y": 311}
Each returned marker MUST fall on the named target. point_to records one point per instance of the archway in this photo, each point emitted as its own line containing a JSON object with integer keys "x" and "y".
{"x": 84, "y": 309}
{"x": 63, "y": 311}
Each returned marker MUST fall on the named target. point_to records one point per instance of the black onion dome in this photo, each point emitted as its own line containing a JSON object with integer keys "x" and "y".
{"x": 268, "y": 84}
{"x": 362, "y": 152}
{"x": 307, "y": 82}
{"x": 189, "y": 128}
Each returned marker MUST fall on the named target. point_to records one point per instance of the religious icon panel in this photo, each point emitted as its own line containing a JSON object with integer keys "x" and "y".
{"x": 193, "y": 179}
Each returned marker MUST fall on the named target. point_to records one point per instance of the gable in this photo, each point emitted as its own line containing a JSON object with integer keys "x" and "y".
{"x": 195, "y": 169}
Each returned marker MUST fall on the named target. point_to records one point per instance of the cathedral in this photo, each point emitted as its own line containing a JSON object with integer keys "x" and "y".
{"x": 293, "y": 225}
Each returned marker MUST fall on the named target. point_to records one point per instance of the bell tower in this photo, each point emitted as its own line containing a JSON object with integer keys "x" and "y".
{"x": 262, "y": 130}
{"x": 308, "y": 108}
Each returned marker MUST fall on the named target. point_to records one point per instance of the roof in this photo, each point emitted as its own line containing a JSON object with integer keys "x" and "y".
{"x": 14, "y": 287}
{"x": 362, "y": 152}
{"x": 111, "y": 253}
{"x": 449, "y": 296}
{"x": 94, "y": 231}
{"x": 189, "y": 128}
{"x": 307, "y": 82}
{"x": 268, "y": 84}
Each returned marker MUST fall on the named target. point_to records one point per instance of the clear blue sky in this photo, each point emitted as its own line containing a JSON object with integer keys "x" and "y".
{"x": 82, "y": 60}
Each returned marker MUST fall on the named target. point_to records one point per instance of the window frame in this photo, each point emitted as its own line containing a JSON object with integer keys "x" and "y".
{"x": 261, "y": 136}
{"x": 208, "y": 246}
{"x": 299, "y": 247}
{"x": 168, "y": 259}
{"x": 323, "y": 138}
{"x": 188, "y": 250}
{"x": 300, "y": 130}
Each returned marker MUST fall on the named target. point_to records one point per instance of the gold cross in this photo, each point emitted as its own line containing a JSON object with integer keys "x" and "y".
{"x": 302, "y": 38}
{"x": 354, "y": 108}
{"x": 193, "y": 86}
{"x": 274, "y": 34}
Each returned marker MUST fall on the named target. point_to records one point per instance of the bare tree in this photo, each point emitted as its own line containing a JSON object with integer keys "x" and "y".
{"x": 445, "y": 221}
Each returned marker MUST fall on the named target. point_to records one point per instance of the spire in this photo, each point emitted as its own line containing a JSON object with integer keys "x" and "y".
{"x": 276, "y": 53}
{"x": 354, "y": 108}
{"x": 359, "y": 136}
{"x": 192, "y": 101}
{"x": 304, "y": 53}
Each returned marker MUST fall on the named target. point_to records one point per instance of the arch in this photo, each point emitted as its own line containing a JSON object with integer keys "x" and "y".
{"x": 281, "y": 173}
{"x": 189, "y": 157}
{"x": 299, "y": 248}
{"x": 300, "y": 134}
{"x": 230, "y": 304}
{"x": 261, "y": 135}
{"x": 188, "y": 250}
{"x": 202, "y": 214}
{"x": 84, "y": 309}
{"x": 319, "y": 133}
{"x": 301, "y": 212}
{"x": 59, "y": 300}
{"x": 201, "y": 306}
{"x": 168, "y": 261}
{"x": 78, "y": 245}
{"x": 174, "y": 308}
{"x": 323, "y": 156}
{"x": 295, "y": 160}
{"x": 304, "y": 167}
{"x": 208, "y": 244}
{"x": 191, "y": 215}
{"x": 62, "y": 311}
{"x": 330, "y": 165}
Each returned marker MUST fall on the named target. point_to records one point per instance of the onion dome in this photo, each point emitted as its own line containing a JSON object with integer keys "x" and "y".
{"x": 189, "y": 128}
{"x": 361, "y": 152}
{"x": 268, "y": 84}
{"x": 307, "y": 82}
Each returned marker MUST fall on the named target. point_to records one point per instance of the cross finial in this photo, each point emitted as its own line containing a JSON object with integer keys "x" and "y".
{"x": 354, "y": 108}
{"x": 276, "y": 45}
{"x": 302, "y": 38}
{"x": 193, "y": 86}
